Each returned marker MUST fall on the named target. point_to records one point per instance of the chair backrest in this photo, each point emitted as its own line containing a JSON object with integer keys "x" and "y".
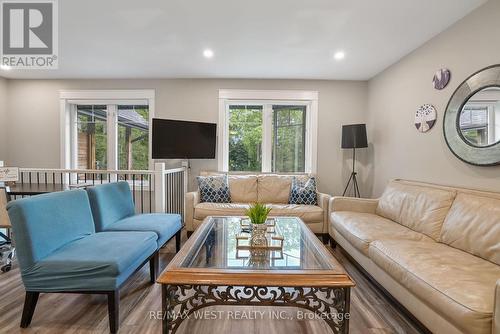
{"x": 4, "y": 217}
{"x": 110, "y": 203}
{"x": 44, "y": 223}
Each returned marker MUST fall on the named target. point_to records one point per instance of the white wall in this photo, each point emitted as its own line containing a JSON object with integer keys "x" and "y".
{"x": 33, "y": 115}
{"x": 3, "y": 120}
{"x": 395, "y": 94}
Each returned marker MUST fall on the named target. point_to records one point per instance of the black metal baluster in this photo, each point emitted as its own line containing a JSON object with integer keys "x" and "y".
{"x": 150, "y": 194}
{"x": 133, "y": 187}
{"x": 142, "y": 193}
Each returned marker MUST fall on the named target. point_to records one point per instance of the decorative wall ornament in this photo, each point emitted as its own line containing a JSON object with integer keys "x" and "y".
{"x": 457, "y": 137}
{"x": 441, "y": 78}
{"x": 425, "y": 117}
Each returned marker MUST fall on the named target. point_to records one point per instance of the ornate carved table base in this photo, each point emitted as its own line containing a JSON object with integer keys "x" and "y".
{"x": 330, "y": 303}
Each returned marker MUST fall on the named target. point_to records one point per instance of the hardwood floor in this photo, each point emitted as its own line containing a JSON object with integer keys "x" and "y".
{"x": 371, "y": 311}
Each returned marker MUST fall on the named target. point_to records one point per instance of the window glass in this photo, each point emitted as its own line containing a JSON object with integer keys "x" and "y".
{"x": 245, "y": 138}
{"x": 91, "y": 137}
{"x": 133, "y": 137}
{"x": 288, "y": 154}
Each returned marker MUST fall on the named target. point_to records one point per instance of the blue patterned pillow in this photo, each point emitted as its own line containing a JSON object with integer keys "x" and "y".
{"x": 214, "y": 189}
{"x": 303, "y": 191}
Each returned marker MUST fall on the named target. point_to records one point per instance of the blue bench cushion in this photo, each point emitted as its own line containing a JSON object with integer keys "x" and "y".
{"x": 164, "y": 224}
{"x": 110, "y": 203}
{"x": 45, "y": 223}
{"x": 99, "y": 262}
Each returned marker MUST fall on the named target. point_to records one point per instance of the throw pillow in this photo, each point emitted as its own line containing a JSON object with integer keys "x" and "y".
{"x": 303, "y": 191}
{"x": 214, "y": 189}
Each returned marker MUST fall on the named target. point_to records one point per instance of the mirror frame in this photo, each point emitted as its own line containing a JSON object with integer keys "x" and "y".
{"x": 458, "y": 145}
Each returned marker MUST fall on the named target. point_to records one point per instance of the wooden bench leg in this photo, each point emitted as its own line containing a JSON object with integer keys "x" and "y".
{"x": 154, "y": 266}
{"x": 114, "y": 310}
{"x": 29, "y": 308}
{"x": 178, "y": 241}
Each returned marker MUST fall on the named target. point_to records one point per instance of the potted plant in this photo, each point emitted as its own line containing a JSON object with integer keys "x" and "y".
{"x": 258, "y": 213}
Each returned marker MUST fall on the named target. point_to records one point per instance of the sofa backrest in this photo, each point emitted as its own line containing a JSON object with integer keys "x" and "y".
{"x": 110, "y": 203}
{"x": 264, "y": 188}
{"x": 44, "y": 223}
{"x": 274, "y": 188}
{"x": 473, "y": 225}
{"x": 417, "y": 206}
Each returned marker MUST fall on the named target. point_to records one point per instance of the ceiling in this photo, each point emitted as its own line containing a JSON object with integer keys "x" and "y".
{"x": 288, "y": 39}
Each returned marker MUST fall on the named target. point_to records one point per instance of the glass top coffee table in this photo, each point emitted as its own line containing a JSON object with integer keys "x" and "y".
{"x": 210, "y": 270}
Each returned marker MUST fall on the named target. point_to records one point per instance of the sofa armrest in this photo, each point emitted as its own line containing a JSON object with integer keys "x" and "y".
{"x": 496, "y": 310}
{"x": 192, "y": 198}
{"x": 324, "y": 202}
{"x": 352, "y": 204}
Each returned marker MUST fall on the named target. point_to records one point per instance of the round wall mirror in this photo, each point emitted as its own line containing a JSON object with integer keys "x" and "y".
{"x": 472, "y": 119}
{"x": 479, "y": 119}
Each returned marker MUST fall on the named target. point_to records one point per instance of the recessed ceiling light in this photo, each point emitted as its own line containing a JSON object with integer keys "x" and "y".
{"x": 4, "y": 67}
{"x": 207, "y": 53}
{"x": 339, "y": 55}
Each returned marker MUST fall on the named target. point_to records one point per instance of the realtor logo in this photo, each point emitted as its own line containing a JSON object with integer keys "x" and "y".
{"x": 29, "y": 34}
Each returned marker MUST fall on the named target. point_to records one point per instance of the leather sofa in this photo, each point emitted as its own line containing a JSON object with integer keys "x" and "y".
{"x": 435, "y": 249}
{"x": 269, "y": 189}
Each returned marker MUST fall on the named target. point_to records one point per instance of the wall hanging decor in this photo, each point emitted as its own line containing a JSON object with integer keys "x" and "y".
{"x": 425, "y": 117}
{"x": 441, "y": 78}
{"x": 469, "y": 125}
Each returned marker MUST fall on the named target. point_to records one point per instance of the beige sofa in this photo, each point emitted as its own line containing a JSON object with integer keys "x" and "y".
{"x": 270, "y": 189}
{"x": 435, "y": 249}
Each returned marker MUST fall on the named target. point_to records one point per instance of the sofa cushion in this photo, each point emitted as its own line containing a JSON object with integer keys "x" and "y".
{"x": 308, "y": 213}
{"x": 457, "y": 285}
{"x": 243, "y": 188}
{"x": 214, "y": 189}
{"x": 360, "y": 229}
{"x": 420, "y": 208}
{"x": 274, "y": 188}
{"x": 44, "y": 223}
{"x": 110, "y": 203}
{"x": 101, "y": 261}
{"x": 203, "y": 210}
{"x": 473, "y": 225}
{"x": 165, "y": 225}
{"x": 303, "y": 191}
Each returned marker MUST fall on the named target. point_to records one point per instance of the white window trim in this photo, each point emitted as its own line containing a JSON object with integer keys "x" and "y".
{"x": 69, "y": 98}
{"x": 231, "y": 96}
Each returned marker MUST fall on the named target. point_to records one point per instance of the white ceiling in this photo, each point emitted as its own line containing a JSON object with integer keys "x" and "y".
{"x": 250, "y": 39}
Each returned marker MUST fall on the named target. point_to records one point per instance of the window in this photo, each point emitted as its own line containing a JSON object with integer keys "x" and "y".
{"x": 245, "y": 138}
{"x": 91, "y": 123}
{"x": 133, "y": 137}
{"x": 267, "y": 134}
{"x": 289, "y": 142}
{"x": 107, "y": 130}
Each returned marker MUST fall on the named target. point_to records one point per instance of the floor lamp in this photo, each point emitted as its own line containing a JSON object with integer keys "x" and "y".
{"x": 354, "y": 136}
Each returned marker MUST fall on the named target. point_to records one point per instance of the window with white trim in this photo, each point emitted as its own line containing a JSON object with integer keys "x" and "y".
{"x": 116, "y": 132}
{"x": 106, "y": 130}
{"x": 276, "y": 135}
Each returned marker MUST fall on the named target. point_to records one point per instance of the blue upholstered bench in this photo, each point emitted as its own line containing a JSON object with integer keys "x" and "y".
{"x": 114, "y": 210}
{"x": 59, "y": 250}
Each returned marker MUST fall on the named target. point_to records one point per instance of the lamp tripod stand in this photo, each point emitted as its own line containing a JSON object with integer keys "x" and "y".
{"x": 353, "y": 178}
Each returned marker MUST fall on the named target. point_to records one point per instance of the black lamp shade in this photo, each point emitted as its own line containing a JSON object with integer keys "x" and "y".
{"x": 354, "y": 136}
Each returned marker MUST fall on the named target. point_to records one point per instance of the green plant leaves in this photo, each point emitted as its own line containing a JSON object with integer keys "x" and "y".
{"x": 258, "y": 213}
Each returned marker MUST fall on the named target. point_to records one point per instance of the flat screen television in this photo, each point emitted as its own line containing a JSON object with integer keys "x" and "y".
{"x": 174, "y": 139}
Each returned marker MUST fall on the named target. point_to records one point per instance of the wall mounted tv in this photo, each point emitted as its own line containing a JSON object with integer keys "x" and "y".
{"x": 183, "y": 140}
